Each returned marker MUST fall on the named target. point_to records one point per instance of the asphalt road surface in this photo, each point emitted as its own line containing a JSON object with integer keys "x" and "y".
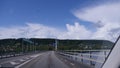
{"x": 47, "y": 60}
{"x": 51, "y": 60}
{"x": 41, "y": 60}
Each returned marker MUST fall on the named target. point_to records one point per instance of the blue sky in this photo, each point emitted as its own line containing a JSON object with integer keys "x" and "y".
{"x": 54, "y": 13}
{"x": 64, "y": 19}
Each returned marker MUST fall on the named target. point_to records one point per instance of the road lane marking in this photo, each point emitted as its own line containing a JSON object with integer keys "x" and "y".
{"x": 72, "y": 64}
{"x": 26, "y": 62}
{"x": 13, "y": 63}
{"x": 23, "y": 64}
{"x": 21, "y": 60}
{"x": 35, "y": 55}
{"x": 26, "y": 58}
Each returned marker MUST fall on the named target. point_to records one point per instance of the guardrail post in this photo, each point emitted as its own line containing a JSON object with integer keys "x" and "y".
{"x": 105, "y": 55}
{"x": 81, "y": 57}
{"x": 73, "y": 54}
{"x": 90, "y": 57}
{"x": 0, "y": 55}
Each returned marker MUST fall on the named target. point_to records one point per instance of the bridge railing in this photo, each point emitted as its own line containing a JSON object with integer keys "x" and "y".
{"x": 91, "y": 57}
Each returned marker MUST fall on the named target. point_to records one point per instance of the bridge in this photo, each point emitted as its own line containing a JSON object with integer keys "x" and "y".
{"x": 26, "y": 55}
{"x": 55, "y": 59}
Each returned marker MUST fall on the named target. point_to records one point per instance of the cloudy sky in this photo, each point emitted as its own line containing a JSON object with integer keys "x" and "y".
{"x": 63, "y": 19}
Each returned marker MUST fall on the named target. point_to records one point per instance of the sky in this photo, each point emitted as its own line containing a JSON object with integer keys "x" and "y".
{"x": 62, "y": 19}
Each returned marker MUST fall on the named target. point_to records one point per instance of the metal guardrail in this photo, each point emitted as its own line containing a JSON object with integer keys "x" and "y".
{"x": 91, "y": 57}
{"x": 8, "y": 55}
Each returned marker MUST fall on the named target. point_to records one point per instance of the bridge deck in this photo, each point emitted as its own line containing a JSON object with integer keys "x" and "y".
{"x": 42, "y": 60}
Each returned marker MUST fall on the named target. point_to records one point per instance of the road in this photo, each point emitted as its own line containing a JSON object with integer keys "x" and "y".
{"x": 42, "y": 60}
{"x": 47, "y": 60}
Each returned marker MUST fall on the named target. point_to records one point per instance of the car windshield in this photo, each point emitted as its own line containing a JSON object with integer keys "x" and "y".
{"x": 57, "y": 33}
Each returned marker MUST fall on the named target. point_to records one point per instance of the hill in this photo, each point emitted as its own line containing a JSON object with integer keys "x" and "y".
{"x": 25, "y": 45}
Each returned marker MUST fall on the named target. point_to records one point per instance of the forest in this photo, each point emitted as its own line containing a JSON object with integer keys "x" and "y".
{"x": 39, "y": 44}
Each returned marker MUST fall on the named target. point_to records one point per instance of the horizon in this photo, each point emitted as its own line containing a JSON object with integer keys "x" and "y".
{"x": 58, "y": 39}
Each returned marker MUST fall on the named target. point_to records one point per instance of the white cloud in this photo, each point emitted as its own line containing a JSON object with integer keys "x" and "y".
{"x": 75, "y": 31}
{"x": 30, "y": 30}
{"x": 40, "y": 31}
{"x": 106, "y": 16}
{"x": 105, "y": 12}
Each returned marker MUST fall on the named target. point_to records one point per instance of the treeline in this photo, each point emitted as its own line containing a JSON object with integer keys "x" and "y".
{"x": 32, "y": 44}
{"x": 84, "y": 44}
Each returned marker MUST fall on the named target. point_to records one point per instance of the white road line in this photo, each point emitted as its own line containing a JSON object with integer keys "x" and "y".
{"x": 23, "y": 64}
{"x": 13, "y": 63}
{"x": 72, "y": 64}
{"x": 27, "y": 58}
{"x": 26, "y": 62}
{"x": 21, "y": 60}
{"x": 35, "y": 55}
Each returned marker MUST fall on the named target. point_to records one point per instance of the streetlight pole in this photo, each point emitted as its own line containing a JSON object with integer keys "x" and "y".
{"x": 56, "y": 44}
{"x": 22, "y": 45}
